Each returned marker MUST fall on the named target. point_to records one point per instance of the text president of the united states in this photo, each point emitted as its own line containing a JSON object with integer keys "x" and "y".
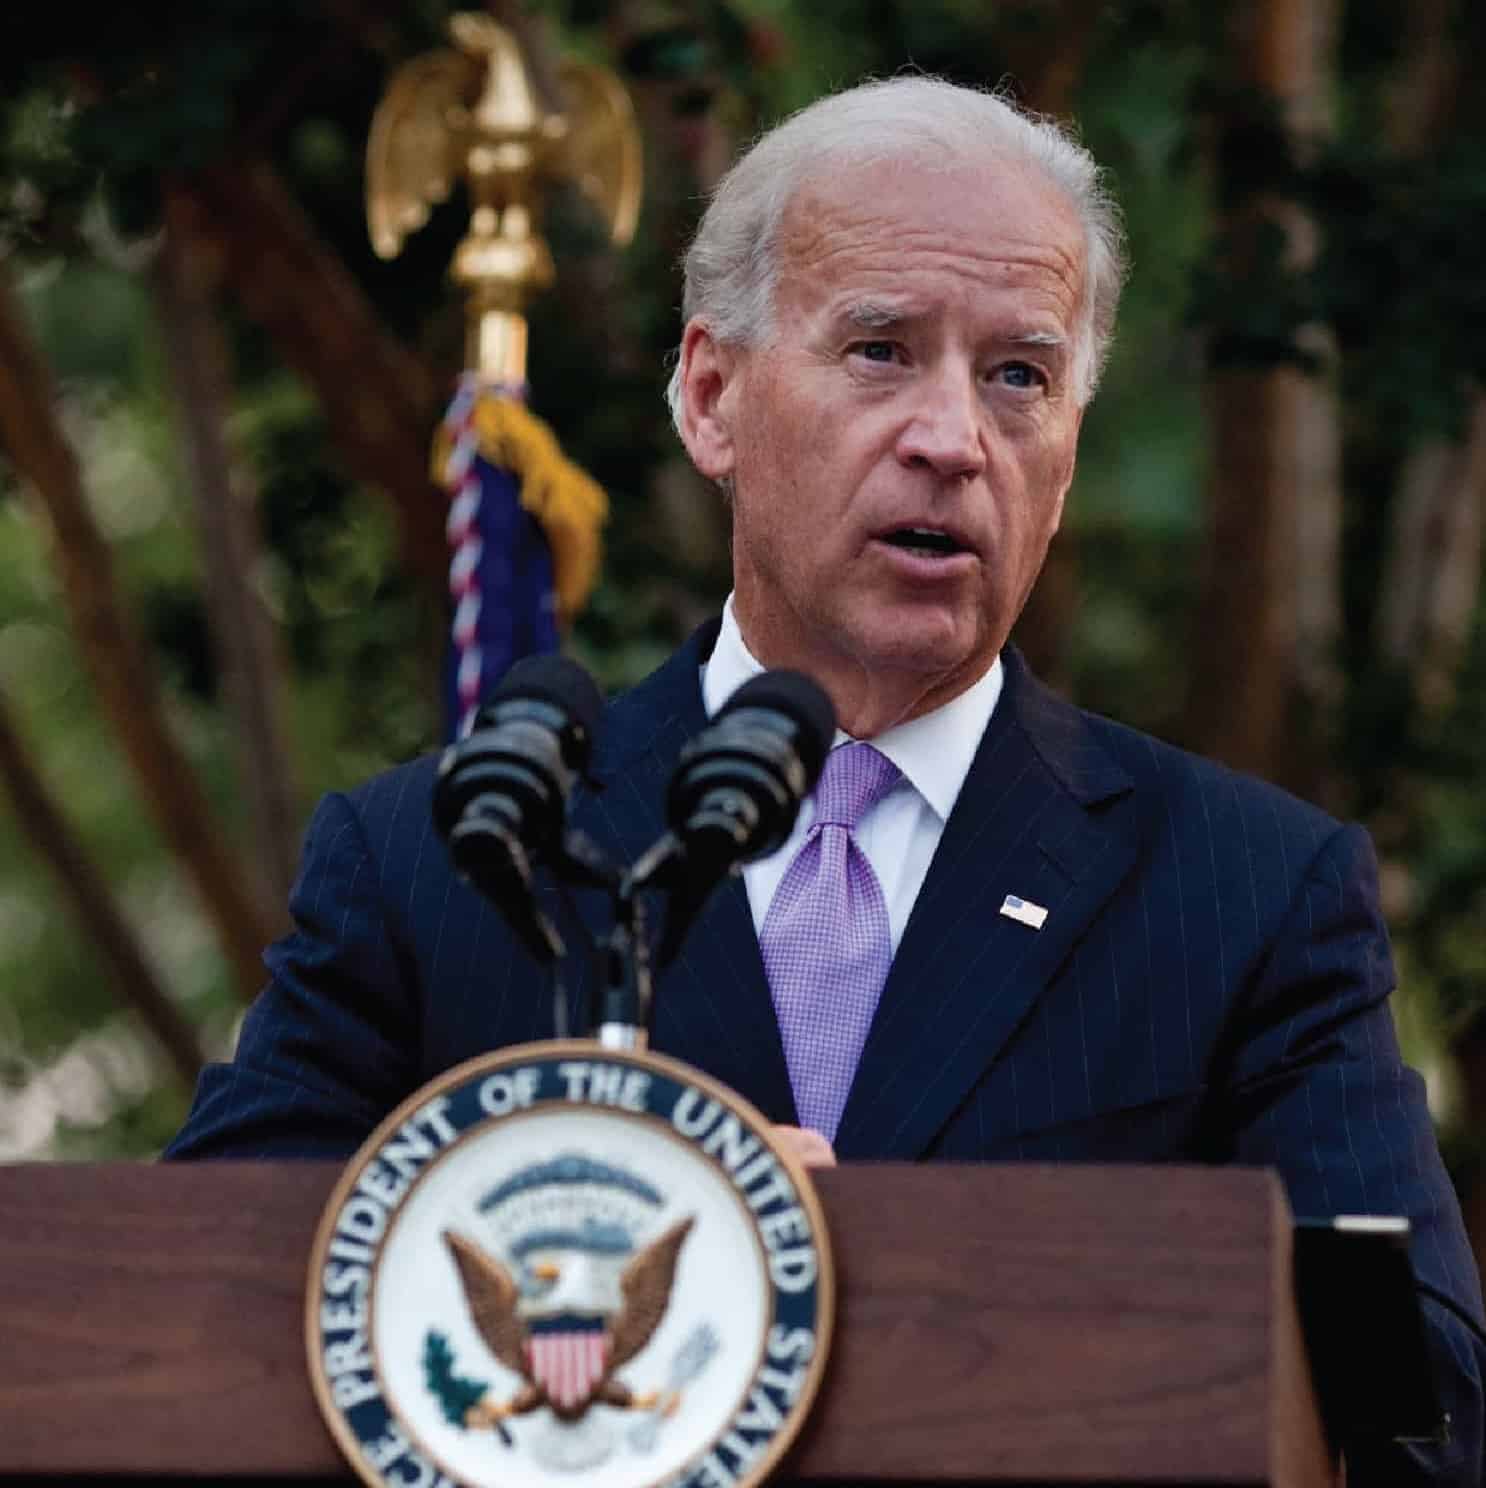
{"x": 1003, "y": 928}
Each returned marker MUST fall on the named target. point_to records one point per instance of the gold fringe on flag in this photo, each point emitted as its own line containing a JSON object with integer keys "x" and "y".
{"x": 569, "y": 504}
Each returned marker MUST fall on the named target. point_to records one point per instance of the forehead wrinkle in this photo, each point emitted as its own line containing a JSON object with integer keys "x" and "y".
{"x": 817, "y": 272}
{"x": 822, "y": 226}
{"x": 939, "y": 249}
{"x": 826, "y": 209}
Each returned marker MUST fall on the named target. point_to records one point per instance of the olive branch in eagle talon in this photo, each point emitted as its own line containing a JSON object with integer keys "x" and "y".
{"x": 491, "y": 1295}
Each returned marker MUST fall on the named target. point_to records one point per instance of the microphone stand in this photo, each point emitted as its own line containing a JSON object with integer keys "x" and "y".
{"x": 620, "y": 1004}
{"x": 620, "y": 1017}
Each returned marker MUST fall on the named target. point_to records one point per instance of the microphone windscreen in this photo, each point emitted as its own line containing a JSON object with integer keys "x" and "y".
{"x": 803, "y": 701}
{"x": 558, "y": 680}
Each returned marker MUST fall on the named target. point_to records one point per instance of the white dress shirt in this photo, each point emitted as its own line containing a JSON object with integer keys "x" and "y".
{"x": 900, "y": 833}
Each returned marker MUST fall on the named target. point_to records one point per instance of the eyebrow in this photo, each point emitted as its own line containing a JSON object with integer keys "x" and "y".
{"x": 1039, "y": 338}
{"x": 872, "y": 315}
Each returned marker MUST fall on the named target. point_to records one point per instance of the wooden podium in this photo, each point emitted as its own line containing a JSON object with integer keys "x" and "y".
{"x": 1018, "y": 1324}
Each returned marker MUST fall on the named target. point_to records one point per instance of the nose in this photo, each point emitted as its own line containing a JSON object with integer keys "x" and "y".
{"x": 945, "y": 430}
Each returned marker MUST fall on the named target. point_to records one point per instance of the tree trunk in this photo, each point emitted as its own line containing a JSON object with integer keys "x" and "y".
{"x": 231, "y": 558}
{"x": 1264, "y": 668}
{"x": 96, "y": 913}
{"x": 1432, "y": 576}
{"x": 1431, "y": 585}
{"x": 113, "y": 651}
{"x": 1426, "y": 87}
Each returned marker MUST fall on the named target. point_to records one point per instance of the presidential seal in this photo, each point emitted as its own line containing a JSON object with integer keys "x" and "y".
{"x": 569, "y": 1264}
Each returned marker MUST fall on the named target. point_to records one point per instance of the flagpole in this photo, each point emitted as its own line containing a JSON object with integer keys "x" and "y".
{"x": 523, "y": 520}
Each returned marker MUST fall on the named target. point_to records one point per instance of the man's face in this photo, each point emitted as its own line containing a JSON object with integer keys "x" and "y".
{"x": 900, "y": 447}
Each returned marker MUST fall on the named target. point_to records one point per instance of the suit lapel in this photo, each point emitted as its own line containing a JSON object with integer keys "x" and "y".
{"x": 712, "y": 1005}
{"x": 1039, "y": 817}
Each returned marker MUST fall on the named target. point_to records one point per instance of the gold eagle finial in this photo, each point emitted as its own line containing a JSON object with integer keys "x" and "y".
{"x": 472, "y": 113}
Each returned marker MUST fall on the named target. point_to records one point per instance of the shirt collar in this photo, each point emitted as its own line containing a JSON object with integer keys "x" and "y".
{"x": 934, "y": 752}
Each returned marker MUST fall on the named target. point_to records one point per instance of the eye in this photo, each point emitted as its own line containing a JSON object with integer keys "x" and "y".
{"x": 1021, "y": 375}
{"x": 882, "y": 352}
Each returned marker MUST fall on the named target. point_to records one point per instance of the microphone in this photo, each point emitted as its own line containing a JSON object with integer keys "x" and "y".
{"x": 501, "y": 795}
{"x": 738, "y": 785}
{"x": 736, "y": 791}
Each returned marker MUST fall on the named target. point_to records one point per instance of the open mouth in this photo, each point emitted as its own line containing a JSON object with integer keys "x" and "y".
{"x": 928, "y": 541}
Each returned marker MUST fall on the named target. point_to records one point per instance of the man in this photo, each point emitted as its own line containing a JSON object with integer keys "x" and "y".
{"x": 1099, "y": 948}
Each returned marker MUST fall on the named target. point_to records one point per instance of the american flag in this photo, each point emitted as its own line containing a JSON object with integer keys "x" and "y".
{"x": 568, "y": 1362}
{"x": 1024, "y": 911}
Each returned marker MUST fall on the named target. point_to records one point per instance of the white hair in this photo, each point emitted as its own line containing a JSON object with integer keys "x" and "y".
{"x": 731, "y": 269}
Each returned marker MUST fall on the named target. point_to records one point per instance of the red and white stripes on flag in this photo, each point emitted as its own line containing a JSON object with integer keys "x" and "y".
{"x": 466, "y": 540}
{"x": 568, "y": 1364}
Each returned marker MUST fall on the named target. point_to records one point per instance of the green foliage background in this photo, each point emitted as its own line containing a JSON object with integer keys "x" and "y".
{"x": 86, "y": 130}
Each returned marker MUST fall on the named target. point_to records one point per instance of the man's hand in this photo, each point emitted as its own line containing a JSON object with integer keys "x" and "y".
{"x": 810, "y": 1147}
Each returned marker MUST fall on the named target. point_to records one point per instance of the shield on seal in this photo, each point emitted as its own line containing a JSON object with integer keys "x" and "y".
{"x": 568, "y": 1355}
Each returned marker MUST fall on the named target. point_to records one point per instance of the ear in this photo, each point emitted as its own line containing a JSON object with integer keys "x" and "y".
{"x": 707, "y": 372}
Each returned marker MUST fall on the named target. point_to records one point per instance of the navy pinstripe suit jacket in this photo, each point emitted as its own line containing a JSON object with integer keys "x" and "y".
{"x": 1210, "y": 984}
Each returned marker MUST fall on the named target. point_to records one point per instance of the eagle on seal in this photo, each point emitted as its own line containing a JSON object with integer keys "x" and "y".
{"x": 570, "y": 1318}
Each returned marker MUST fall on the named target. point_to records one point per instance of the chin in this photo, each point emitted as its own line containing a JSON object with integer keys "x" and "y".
{"x": 910, "y": 645}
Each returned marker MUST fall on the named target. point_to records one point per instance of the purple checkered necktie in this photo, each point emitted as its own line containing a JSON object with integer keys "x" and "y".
{"x": 826, "y": 943}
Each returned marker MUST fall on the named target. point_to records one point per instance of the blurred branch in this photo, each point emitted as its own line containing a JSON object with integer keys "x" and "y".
{"x": 227, "y": 515}
{"x": 112, "y": 649}
{"x": 93, "y": 906}
{"x": 380, "y": 400}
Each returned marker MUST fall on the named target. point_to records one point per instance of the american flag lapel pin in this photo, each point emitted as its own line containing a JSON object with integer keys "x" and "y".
{"x": 1023, "y": 912}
